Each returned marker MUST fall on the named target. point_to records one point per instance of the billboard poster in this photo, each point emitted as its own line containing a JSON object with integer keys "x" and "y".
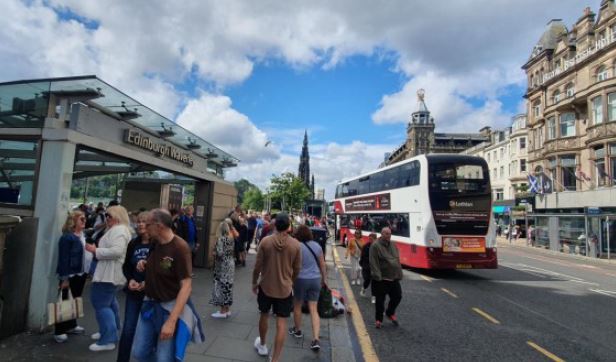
{"x": 464, "y": 244}
{"x": 373, "y": 202}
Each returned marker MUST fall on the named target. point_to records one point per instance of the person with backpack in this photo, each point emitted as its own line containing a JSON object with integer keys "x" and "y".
{"x": 354, "y": 251}
{"x": 307, "y": 286}
{"x": 364, "y": 262}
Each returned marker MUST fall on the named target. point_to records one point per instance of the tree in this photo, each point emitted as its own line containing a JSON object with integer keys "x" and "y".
{"x": 242, "y": 185}
{"x": 253, "y": 199}
{"x": 289, "y": 190}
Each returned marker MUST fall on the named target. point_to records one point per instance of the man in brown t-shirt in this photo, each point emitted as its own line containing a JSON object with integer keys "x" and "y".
{"x": 168, "y": 270}
{"x": 279, "y": 260}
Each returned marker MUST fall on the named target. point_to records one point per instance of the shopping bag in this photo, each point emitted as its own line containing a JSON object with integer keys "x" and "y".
{"x": 64, "y": 310}
{"x": 324, "y": 305}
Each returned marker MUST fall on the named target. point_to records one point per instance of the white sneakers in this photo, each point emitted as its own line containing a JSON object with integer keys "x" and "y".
{"x": 96, "y": 336}
{"x": 261, "y": 348}
{"x": 353, "y": 282}
{"x": 102, "y": 347}
{"x": 220, "y": 315}
{"x": 362, "y": 292}
{"x": 373, "y": 300}
{"x": 60, "y": 338}
{"x": 77, "y": 330}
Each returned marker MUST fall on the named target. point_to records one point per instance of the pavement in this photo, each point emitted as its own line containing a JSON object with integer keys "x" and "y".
{"x": 226, "y": 340}
{"x": 537, "y": 306}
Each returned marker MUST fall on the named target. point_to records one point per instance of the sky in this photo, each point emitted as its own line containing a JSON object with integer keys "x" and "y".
{"x": 241, "y": 74}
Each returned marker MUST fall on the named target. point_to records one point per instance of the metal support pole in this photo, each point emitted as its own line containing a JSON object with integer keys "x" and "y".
{"x": 607, "y": 232}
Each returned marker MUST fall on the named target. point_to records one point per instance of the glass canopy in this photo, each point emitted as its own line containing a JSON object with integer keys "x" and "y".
{"x": 25, "y": 104}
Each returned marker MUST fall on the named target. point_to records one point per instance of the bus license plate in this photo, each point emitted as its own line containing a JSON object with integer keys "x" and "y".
{"x": 464, "y": 266}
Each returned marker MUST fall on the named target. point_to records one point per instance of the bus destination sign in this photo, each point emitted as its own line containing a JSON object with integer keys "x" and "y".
{"x": 373, "y": 202}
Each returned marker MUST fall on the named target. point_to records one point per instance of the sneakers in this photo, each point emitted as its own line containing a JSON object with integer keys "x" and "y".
{"x": 295, "y": 333}
{"x": 377, "y": 324}
{"x": 373, "y": 300}
{"x": 352, "y": 281}
{"x": 77, "y": 330}
{"x": 261, "y": 348}
{"x": 60, "y": 338}
{"x": 393, "y": 319}
{"x": 94, "y": 347}
{"x": 315, "y": 346}
{"x": 96, "y": 336}
{"x": 362, "y": 292}
{"x": 220, "y": 315}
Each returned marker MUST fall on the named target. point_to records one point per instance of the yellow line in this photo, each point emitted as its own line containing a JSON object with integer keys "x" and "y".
{"x": 545, "y": 352}
{"x": 486, "y": 315}
{"x": 452, "y": 294}
{"x": 360, "y": 327}
{"x": 428, "y": 279}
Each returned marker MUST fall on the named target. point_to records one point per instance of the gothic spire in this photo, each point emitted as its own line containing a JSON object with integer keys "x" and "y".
{"x": 304, "y": 162}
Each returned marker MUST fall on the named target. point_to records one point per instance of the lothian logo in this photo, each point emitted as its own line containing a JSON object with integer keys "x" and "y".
{"x": 454, "y": 203}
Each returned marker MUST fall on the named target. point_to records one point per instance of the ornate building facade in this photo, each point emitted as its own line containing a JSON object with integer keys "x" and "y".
{"x": 422, "y": 139}
{"x": 572, "y": 128}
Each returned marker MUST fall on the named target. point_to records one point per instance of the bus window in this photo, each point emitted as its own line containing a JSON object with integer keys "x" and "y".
{"x": 353, "y": 188}
{"x": 391, "y": 178}
{"x": 376, "y": 182}
{"x": 409, "y": 174}
{"x": 364, "y": 185}
{"x": 458, "y": 178}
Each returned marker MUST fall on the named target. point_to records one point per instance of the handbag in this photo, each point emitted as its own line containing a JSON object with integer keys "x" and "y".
{"x": 64, "y": 309}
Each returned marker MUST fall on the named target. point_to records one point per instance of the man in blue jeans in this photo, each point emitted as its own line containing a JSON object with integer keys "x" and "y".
{"x": 168, "y": 285}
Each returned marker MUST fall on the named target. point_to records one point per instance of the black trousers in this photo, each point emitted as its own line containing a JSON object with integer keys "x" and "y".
{"x": 365, "y": 274}
{"x": 76, "y": 283}
{"x": 381, "y": 289}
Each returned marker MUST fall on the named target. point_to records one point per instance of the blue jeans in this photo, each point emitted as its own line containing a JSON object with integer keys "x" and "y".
{"x": 131, "y": 317}
{"x": 105, "y": 303}
{"x": 147, "y": 346}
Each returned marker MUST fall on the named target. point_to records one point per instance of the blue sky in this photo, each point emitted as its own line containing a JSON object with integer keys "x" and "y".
{"x": 240, "y": 73}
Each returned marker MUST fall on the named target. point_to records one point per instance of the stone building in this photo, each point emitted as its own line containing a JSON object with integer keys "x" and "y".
{"x": 422, "y": 139}
{"x": 304, "y": 166}
{"x": 571, "y": 97}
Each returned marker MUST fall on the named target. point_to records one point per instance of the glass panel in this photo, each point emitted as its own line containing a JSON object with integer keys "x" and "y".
{"x": 18, "y": 169}
{"x": 542, "y": 236}
{"x": 611, "y": 106}
{"x": 597, "y": 110}
{"x": 551, "y": 128}
{"x": 23, "y": 105}
{"x": 571, "y": 234}
{"x": 567, "y": 124}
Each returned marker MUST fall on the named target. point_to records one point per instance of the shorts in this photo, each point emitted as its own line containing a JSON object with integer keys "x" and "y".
{"x": 282, "y": 307}
{"x": 307, "y": 289}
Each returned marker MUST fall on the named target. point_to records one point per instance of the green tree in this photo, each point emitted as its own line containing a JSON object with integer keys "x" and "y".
{"x": 242, "y": 185}
{"x": 253, "y": 199}
{"x": 289, "y": 190}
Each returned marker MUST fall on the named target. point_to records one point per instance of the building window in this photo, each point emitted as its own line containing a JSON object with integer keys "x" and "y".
{"x": 551, "y": 128}
{"x": 567, "y": 124}
{"x": 499, "y": 194}
{"x": 567, "y": 168}
{"x": 502, "y": 153}
{"x": 612, "y": 169}
{"x": 599, "y": 161}
{"x": 570, "y": 90}
{"x": 495, "y": 156}
{"x": 536, "y": 109}
{"x": 522, "y": 166}
{"x": 611, "y": 106}
{"x": 522, "y": 143}
{"x": 556, "y": 96}
{"x": 488, "y": 156}
{"x": 502, "y": 172}
{"x": 602, "y": 73}
{"x": 494, "y": 174}
{"x": 539, "y": 134}
{"x": 552, "y": 167}
{"x": 597, "y": 110}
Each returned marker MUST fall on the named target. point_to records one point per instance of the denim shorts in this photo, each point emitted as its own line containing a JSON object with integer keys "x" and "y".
{"x": 307, "y": 289}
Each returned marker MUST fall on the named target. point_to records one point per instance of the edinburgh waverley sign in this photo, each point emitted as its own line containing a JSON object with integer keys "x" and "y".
{"x": 161, "y": 149}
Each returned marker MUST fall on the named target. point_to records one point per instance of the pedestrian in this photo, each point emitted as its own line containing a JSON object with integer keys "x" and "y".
{"x": 307, "y": 286}
{"x": 187, "y": 230}
{"x": 72, "y": 268}
{"x": 108, "y": 277}
{"x": 224, "y": 270}
{"x": 364, "y": 262}
{"x": 252, "y": 228}
{"x": 242, "y": 241}
{"x": 166, "y": 307}
{"x": 278, "y": 264}
{"x": 138, "y": 249}
{"x": 386, "y": 273}
{"x": 354, "y": 251}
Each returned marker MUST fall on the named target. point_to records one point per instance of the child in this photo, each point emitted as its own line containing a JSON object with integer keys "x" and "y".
{"x": 364, "y": 262}
{"x": 354, "y": 250}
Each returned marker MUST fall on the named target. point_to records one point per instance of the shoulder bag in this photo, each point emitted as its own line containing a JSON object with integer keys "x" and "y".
{"x": 64, "y": 310}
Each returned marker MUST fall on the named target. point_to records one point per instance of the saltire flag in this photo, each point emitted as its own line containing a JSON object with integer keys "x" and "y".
{"x": 534, "y": 184}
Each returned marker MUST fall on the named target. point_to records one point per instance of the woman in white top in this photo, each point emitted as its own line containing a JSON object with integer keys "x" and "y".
{"x": 108, "y": 277}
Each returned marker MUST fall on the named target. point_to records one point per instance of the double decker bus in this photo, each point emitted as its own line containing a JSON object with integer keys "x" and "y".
{"x": 438, "y": 208}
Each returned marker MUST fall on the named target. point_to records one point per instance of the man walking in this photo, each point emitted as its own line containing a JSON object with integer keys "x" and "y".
{"x": 168, "y": 285}
{"x": 386, "y": 272}
{"x": 278, "y": 264}
{"x": 187, "y": 229}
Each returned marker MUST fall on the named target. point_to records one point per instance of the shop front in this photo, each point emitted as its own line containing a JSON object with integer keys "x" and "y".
{"x": 56, "y": 132}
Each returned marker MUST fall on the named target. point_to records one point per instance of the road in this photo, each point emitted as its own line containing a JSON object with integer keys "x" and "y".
{"x": 535, "y": 307}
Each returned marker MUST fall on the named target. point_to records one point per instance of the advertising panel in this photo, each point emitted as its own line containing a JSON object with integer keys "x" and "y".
{"x": 373, "y": 202}
{"x": 464, "y": 244}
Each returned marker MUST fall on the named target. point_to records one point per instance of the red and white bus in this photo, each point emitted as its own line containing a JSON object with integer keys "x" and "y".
{"x": 437, "y": 206}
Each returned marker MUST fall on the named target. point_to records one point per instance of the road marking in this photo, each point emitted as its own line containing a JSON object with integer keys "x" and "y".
{"x": 609, "y": 293}
{"x": 428, "y": 279}
{"x": 545, "y": 352}
{"x": 486, "y": 315}
{"x": 365, "y": 342}
{"x": 453, "y": 295}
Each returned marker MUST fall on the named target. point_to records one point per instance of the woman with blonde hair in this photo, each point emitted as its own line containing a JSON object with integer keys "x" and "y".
{"x": 72, "y": 268}
{"x": 108, "y": 277}
{"x": 224, "y": 270}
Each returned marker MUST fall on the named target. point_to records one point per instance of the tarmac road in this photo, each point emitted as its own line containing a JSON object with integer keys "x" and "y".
{"x": 535, "y": 307}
